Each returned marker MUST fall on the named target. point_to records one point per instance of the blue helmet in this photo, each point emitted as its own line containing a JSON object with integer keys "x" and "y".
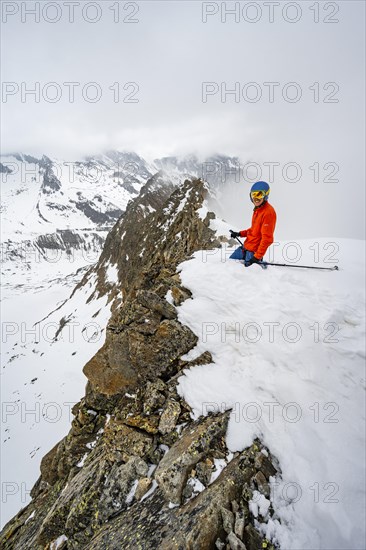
{"x": 260, "y": 186}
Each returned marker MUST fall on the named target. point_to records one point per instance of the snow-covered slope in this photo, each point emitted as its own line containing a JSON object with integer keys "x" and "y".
{"x": 41, "y": 374}
{"x": 42, "y": 195}
{"x": 288, "y": 347}
{"x": 56, "y": 210}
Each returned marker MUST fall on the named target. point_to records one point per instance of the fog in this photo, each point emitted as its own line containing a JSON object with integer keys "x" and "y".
{"x": 270, "y": 82}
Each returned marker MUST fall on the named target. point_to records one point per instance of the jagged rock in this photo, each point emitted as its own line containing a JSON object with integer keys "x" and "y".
{"x": 78, "y": 502}
{"x": 265, "y": 465}
{"x": 64, "y": 456}
{"x": 110, "y": 370}
{"x": 180, "y": 294}
{"x": 95, "y": 494}
{"x": 49, "y": 466}
{"x": 204, "y": 470}
{"x": 203, "y": 359}
{"x": 117, "y": 486}
{"x": 187, "y": 492}
{"x": 137, "y": 349}
{"x": 147, "y": 423}
{"x": 262, "y": 484}
{"x": 152, "y": 301}
{"x": 235, "y": 543}
{"x": 158, "y": 384}
{"x": 143, "y": 486}
{"x": 206, "y": 511}
{"x": 195, "y": 442}
{"x": 239, "y": 524}
{"x": 196, "y": 525}
{"x": 147, "y": 324}
{"x": 169, "y": 439}
{"x": 169, "y": 417}
{"x": 235, "y": 506}
{"x": 153, "y": 356}
{"x": 247, "y": 493}
{"x": 98, "y": 401}
{"x": 253, "y": 539}
{"x": 154, "y": 398}
{"x": 130, "y": 354}
{"x": 155, "y": 455}
{"x": 123, "y": 442}
{"x": 227, "y": 520}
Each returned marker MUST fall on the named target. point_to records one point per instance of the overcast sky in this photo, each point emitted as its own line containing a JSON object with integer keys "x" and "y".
{"x": 169, "y": 52}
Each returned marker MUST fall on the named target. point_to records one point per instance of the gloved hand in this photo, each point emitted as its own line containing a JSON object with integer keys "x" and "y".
{"x": 234, "y": 234}
{"x": 253, "y": 260}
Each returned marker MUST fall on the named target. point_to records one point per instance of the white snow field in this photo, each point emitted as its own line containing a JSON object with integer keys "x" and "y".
{"x": 41, "y": 376}
{"x": 288, "y": 348}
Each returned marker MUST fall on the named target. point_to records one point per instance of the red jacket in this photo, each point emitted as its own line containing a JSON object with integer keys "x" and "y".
{"x": 260, "y": 235}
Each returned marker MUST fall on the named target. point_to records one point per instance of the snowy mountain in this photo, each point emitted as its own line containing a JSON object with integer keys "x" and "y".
{"x": 53, "y": 208}
{"x": 230, "y": 400}
{"x": 41, "y": 195}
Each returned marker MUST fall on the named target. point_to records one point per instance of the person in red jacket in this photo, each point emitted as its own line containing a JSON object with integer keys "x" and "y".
{"x": 260, "y": 235}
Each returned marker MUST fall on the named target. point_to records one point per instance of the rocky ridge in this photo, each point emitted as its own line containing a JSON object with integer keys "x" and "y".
{"x": 135, "y": 471}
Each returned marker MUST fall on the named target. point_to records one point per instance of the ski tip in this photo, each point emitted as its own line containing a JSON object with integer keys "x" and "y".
{"x": 336, "y": 268}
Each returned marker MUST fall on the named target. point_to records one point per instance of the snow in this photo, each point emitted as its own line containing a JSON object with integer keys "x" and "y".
{"x": 220, "y": 226}
{"x": 259, "y": 504}
{"x": 111, "y": 274}
{"x": 182, "y": 204}
{"x": 154, "y": 485}
{"x": 220, "y": 464}
{"x": 41, "y": 376}
{"x": 30, "y": 517}
{"x": 151, "y": 470}
{"x": 57, "y": 543}
{"x": 81, "y": 463}
{"x": 288, "y": 348}
{"x": 202, "y": 212}
{"x": 28, "y": 207}
{"x": 169, "y": 297}
{"x": 164, "y": 448}
{"x": 132, "y": 491}
{"x": 196, "y": 485}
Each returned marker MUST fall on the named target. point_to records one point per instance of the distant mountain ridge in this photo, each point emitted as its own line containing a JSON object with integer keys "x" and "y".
{"x": 52, "y": 204}
{"x": 91, "y": 192}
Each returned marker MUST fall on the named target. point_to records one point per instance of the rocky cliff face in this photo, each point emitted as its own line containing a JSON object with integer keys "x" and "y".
{"x": 135, "y": 471}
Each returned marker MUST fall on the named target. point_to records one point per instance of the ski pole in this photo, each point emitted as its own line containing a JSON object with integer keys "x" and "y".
{"x": 334, "y": 268}
{"x": 237, "y": 238}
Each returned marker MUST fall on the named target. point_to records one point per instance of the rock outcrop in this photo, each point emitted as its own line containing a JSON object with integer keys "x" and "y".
{"x": 135, "y": 471}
